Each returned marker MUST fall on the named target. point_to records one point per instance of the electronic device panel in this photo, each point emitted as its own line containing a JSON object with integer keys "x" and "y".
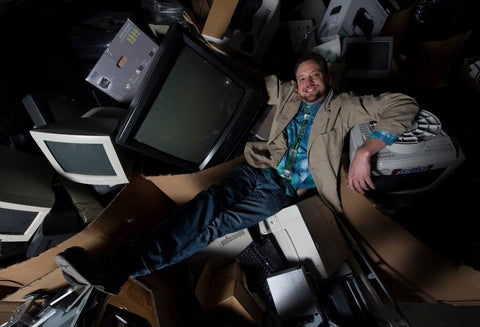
{"x": 368, "y": 57}
{"x": 26, "y": 196}
{"x": 192, "y": 110}
{"x": 83, "y": 149}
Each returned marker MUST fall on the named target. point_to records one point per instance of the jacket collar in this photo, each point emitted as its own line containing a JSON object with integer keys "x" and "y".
{"x": 291, "y": 108}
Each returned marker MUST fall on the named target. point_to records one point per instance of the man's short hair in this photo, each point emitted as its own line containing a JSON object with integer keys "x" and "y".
{"x": 312, "y": 56}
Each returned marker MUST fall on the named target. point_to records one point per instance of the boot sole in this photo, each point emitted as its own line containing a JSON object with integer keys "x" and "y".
{"x": 66, "y": 267}
{"x": 69, "y": 270}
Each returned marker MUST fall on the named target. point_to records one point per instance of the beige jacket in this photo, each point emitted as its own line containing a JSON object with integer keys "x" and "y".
{"x": 393, "y": 112}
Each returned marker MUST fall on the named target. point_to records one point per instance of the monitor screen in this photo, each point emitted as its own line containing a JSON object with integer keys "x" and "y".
{"x": 19, "y": 222}
{"x": 77, "y": 158}
{"x": 15, "y": 221}
{"x": 193, "y": 110}
{"x": 368, "y": 57}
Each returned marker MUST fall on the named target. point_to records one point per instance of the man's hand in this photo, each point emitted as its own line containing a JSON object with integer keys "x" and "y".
{"x": 359, "y": 172}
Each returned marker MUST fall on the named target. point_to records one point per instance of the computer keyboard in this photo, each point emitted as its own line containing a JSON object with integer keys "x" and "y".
{"x": 259, "y": 260}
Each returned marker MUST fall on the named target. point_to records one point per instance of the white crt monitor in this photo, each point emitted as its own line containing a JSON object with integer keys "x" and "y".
{"x": 368, "y": 57}
{"x": 83, "y": 150}
{"x": 26, "y": 196}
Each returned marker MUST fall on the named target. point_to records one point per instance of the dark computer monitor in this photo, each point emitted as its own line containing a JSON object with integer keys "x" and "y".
{"x": 368, "y": 57}
{"x": 49, "y": 107}
{"x": 192, "y": 110}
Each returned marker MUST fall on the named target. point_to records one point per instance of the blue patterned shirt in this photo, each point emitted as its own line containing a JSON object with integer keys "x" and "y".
{"x": 301, "y": 174}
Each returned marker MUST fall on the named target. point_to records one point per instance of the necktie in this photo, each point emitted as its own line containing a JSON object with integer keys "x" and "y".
{"x": 287, "y": 172}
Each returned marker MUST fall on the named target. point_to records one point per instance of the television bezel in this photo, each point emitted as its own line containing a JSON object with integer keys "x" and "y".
{"x": 40, "y": 136}
{"x": 368, "y": 73}
{"x": 234, "y": 132}
{"x": 42, "y": 212}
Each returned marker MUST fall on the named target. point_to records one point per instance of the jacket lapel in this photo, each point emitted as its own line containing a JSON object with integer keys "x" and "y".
{"x": 289, "y": 112}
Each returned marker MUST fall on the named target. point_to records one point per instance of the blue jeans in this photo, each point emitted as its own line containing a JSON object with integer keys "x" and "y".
{"x": 246, "y": 197}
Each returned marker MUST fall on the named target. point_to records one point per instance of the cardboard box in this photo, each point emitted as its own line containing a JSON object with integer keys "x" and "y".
{"x": 225, "y": 293}
{"x": 351, "y": 18}
{"x": 124, "y": 64}
{"x": 163, "y": 298}
{"x": 220, "y": 253}
{"x": 247, "y": 28}
{"x": 140, "y": 205}
{"x": 418, "y": 271}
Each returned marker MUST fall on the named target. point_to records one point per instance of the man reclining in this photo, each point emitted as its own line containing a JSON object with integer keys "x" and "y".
{"x": 302, "y": 153}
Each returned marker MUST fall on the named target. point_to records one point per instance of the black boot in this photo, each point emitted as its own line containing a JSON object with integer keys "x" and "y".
{"x": 107, "y": 272}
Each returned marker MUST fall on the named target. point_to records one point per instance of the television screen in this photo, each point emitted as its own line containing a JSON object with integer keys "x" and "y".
{"x": 175, "y": 117}
{"x": 193, "y": 110}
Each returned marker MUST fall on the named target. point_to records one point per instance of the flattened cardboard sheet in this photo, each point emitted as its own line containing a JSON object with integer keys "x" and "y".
{"x": 432, "y": 277}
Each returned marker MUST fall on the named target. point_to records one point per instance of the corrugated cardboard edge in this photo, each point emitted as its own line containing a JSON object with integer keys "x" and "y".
{"x": 182, "y": 188}
{"x": 116, "y": 222}
{"x": 51, "y": 281}
{"x": 404, "y": 258}
{"x": 135, "y": 297}
{"x": 219, "y": 17}
{"x": 322, "y": 225}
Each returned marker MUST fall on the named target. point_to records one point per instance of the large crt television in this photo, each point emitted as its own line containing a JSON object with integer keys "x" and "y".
{"x": 83, "y": 149}
{"x": 26, "y": 195}
{"x": 192, "y": 110}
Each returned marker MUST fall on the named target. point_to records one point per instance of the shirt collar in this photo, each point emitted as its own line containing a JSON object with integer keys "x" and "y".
{"x": 313, "y": 107}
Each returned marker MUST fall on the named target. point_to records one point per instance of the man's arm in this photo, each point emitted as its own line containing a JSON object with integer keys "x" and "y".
{"x": 394, "y": 114}
{"x": 359, "y": 172}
